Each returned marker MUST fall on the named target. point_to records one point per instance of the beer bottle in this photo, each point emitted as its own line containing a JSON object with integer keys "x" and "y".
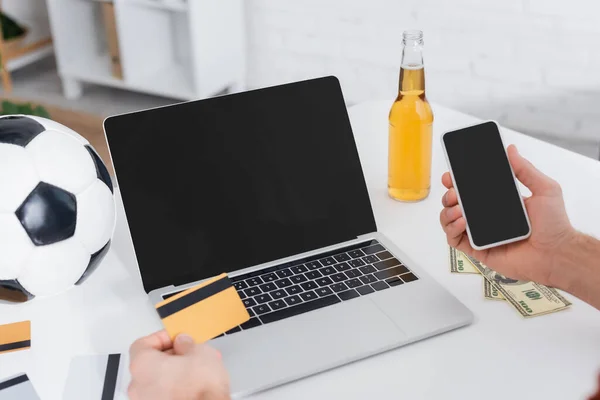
{"x": 411, "y": 121}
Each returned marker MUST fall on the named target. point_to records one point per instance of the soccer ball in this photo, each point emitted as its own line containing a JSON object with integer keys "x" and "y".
{"x": 57, "y": 209}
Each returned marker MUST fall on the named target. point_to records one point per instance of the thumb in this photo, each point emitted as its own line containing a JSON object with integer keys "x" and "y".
{"x": 184, "y": 344}
{"x": 530, "y": 176}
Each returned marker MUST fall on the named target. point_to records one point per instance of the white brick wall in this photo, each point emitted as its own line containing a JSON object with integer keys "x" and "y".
{"x": 531, "y": 64}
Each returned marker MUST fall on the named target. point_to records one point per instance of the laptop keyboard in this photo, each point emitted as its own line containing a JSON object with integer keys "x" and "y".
{"x": 309, "y": 284}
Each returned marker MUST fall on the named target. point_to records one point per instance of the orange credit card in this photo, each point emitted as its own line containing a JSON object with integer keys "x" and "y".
{"x": 15, "y": 337}
{"x": 204, "y": 311}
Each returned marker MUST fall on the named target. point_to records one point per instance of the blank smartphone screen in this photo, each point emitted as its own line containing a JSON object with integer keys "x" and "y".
{"x": 489, "y": 195}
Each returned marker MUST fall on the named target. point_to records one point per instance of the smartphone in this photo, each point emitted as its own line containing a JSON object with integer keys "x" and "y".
{"x": 485, "y": 186}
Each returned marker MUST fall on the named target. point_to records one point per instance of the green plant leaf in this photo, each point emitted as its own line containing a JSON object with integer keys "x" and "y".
{"x": 9, "y": 108}
{"x": 26, "y": 109}
{"x": 41, "y": 112}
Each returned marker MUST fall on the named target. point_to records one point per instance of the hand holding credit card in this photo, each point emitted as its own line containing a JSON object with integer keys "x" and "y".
{"x": 204, "y": 311}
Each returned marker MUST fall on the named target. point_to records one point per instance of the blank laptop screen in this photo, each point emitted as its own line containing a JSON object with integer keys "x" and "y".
{"x": 221, "y": 184}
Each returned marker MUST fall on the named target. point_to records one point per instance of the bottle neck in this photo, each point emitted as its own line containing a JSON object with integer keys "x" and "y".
{"x": 412, "y": 73}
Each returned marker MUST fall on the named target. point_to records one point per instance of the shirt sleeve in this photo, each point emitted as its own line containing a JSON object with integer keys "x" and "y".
{"x": 597, "y": 395}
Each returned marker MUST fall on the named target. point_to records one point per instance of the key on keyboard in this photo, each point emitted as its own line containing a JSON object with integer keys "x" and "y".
{"x": 298, "y": 278}
{"x": 379, "y": 285}
{"x": 284, "y": 273}
{"x": 269, "y": 277}
{"x": 263, "y": 308}
{"x": 356, "y": 263}
{"x": 294, "y": 289}
{"x": 373, "y": 249}
{"x": 249, "y": 302}
{"x": 364, "y": 290}
{"x": 283, "y": 283}
{"x": 384, "y": 255}
{"x": 356, "y": 253}
{"x": 313, "y": 275}
{"x": 253, "y": 291}
{"x": 338, "y": 287}
{"x": 267, "y": 287}
{"x": 388, "y": 273}
{"x": 292, "y": 300}
{"x": 262, "y": 298}
{"x": 327, "y": 270}
{"x": 353, "y": 273}
{"x": 352, "y": 283}
{"x": 395, "y": 281}
{"x": 313, "y": 265}
{"x": 308, "y": 296}
{"x": 277, "y": 304}
{"x": 341, "y": 257}
{"x": 409, "y": 277}
{"x": 342, "y": 267}
{"x": 339, "y": 277}
{"x": 350, "y": 294}
{"x": 324, "y": 281}
{"x": 367, "y": 269}
{"x": 309, "y": 285}
{"x": 370, "y": 259}
{"x": 324, "y": 291}
{"x": 368, "y": 279}
{"x": 240, "y": 285}
{"x": 298, "y": 269}
{"x": 251, "y": 323}
{"x": 254, "y": 281}
{"x": 386, "y": 264}
{"x": 327, "y": 261}
{"x": 278, "y": 294}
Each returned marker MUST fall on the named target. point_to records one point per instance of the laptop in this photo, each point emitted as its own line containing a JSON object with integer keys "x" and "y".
{"x": 267, "y": 185}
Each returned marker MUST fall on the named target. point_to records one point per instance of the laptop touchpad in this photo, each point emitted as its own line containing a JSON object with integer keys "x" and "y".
{"x": 305, "y": 344}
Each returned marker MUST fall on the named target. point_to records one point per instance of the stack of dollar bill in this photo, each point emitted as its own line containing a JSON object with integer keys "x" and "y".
{"x": 528, "y": 298}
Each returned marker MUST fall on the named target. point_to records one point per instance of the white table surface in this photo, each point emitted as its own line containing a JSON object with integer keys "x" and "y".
{"x": 499, "y": 356}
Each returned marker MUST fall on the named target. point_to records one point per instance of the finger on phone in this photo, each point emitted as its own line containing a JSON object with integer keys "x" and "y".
{"x": 456, "y": 228}
{"x": 447, "y": 180}
{"x": 450, "y": 199}
{"x": 461, "y": 243}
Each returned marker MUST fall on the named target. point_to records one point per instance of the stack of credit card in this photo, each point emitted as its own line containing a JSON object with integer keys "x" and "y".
{"x": 101, "y": 377}
{"x": 17, "y": 388}
{"x": 15, "y": 337}
{"x": 203, "y": 312}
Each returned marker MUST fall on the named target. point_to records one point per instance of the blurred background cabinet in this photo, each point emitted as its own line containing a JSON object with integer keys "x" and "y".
{"x": 183, "y": 49}
{"x": 28, "y": 40}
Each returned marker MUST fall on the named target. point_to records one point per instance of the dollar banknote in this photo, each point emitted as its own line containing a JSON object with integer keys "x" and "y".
{"x": 460, "y": 264}
{"x": 490, "y": 292}
{"x": 529, "y": 298}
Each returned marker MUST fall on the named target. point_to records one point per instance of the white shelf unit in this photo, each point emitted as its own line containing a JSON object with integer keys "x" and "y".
{"x": 183, "y": 49}
{"x": 33, "y": 16}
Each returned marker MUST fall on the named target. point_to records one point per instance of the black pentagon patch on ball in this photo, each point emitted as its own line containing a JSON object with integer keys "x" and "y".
{"x": 48, "y": 214}
{"x": 94, "y": 262}
{"x": 19, "y": 130}
{"x": 101, "y": 170}
{"x": 13, "y": 291}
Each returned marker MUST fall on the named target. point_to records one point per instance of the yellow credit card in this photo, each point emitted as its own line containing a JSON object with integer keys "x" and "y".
{"x": 15, "y": 337}
{"x": 204, "y": 311}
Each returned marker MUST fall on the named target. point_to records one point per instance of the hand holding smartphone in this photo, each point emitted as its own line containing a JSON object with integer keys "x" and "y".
{"x": 485, "y": 186}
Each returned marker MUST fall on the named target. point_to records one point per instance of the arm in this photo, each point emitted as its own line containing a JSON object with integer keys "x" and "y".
{"x": 577, "y": 269}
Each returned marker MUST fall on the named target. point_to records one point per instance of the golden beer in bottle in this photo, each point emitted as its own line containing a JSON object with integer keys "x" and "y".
{"x": 411, "y": 122}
